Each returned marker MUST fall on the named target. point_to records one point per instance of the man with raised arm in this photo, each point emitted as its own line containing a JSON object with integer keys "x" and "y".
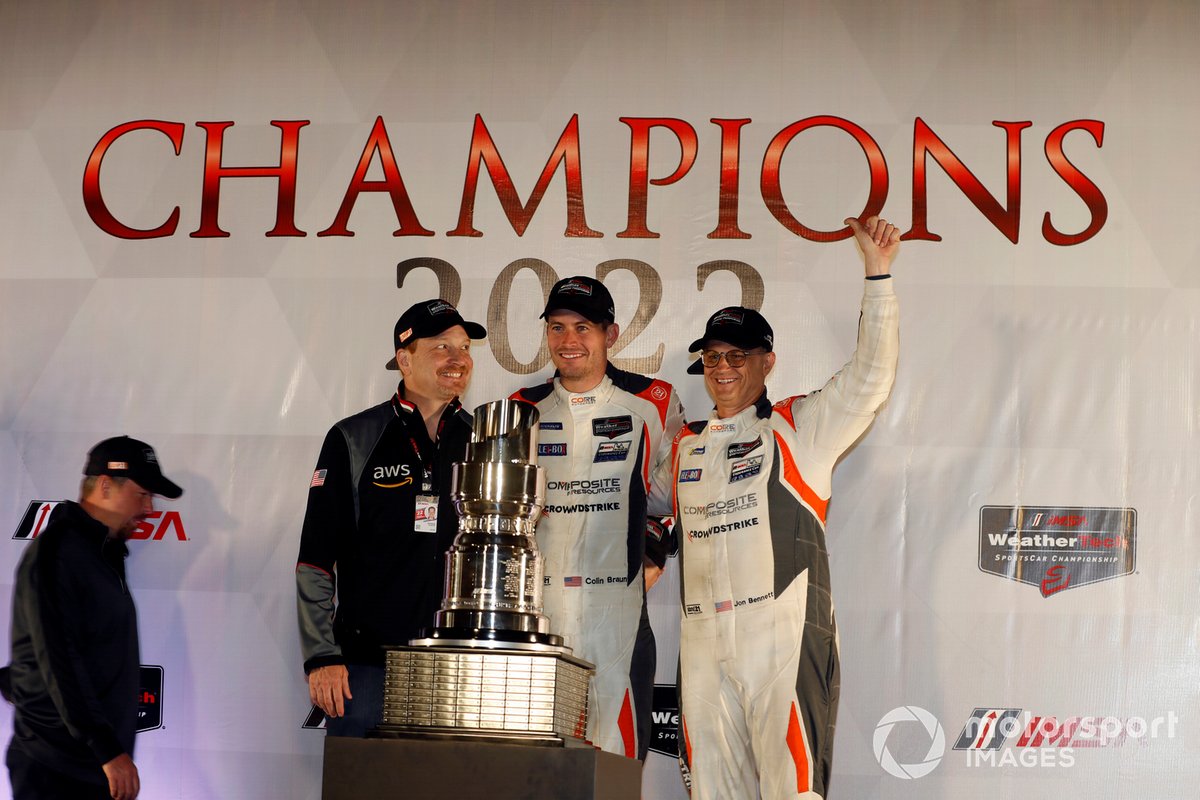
{"x": 758, "y": 644}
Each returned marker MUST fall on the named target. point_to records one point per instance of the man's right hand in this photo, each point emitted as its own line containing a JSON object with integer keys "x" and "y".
{"x": 329, "y": 689}
{"x": 123, "y": 783}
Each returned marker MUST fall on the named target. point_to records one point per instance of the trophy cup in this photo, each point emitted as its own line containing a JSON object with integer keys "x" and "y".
{"x": 490, "y": 668}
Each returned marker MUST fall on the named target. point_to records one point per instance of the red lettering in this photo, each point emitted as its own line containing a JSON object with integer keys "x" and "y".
{"x": 639, "y": 168}
{"x": 1046, "y": 732}
{"x": 926, "y": 142}
{"x": 93, "y": 200}
{"x": 285, "y": 172}
{"x": 773, "y": 194}
{"x": 157, "y": 523}
{"x": 1079, "y": 183}
{"x": 566, "y": 152}
{"x": 392, "y": 183}
{"x": 727, "y": 209}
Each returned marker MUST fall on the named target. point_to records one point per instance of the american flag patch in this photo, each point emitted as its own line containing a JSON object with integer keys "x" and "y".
{"x": 318, "y": 478}
{"x": 724, "y": 605}
{"x": 573, "y": 580}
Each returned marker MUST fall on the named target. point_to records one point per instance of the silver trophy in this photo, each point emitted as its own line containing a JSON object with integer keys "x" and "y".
{"x": 490, "y": 668}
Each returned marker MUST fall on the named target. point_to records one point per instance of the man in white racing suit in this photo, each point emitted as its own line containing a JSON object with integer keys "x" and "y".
{"x": 758, "y": 643}
{"x": 603, "y": 433}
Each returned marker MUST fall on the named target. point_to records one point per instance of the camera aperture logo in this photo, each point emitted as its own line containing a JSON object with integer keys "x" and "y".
{"x": 907, "y": 722}
{"x": 1057, "y": 548}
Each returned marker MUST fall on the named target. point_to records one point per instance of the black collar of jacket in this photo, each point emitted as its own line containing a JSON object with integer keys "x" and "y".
{"x": 402, "y": 407}
{"x": 91, "y": 529}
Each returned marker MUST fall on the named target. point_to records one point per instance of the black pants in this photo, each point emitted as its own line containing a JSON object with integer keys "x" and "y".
{"x": 33, "y": 780}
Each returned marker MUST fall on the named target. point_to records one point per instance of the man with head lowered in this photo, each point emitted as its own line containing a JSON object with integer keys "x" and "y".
{"x": 758, "y": 644}
{"x": 75, "y": 654}
{"x": 380, "y": 520}
{"x": 603, "y": 432}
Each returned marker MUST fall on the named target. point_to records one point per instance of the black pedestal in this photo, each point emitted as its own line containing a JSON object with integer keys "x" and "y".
{"x": 419, "y": 769}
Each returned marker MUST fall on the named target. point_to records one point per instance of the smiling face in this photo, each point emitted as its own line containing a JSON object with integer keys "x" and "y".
{"x": 736, "y": 388}
{"x": 579, "y": 348}
{"x": 437, "y": 367}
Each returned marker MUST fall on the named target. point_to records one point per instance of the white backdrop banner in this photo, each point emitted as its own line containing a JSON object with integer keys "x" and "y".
{"x": 211, "y": 215}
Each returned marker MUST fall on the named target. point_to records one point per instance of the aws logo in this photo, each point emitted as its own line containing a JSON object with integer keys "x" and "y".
{"x": 396, "y": 476}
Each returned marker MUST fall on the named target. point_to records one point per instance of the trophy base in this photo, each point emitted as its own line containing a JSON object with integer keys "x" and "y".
{"x": 490, "y": 638}
{"x": 536, "y": 694}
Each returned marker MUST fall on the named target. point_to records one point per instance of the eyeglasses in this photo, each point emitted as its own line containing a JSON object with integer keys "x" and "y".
{"x": 734, "y": 358}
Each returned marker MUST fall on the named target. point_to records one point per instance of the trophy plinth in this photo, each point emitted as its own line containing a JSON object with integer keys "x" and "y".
{"x": 490, "y": 668}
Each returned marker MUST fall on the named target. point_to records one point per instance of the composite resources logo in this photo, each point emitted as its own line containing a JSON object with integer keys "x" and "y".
{"x": 909, "y": 722}
{"x": 1057, "y": 548}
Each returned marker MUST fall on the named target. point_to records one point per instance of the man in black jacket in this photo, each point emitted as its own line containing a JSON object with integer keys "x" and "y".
{"x": 379, "y": 519}
{"x": 75, "y": 651}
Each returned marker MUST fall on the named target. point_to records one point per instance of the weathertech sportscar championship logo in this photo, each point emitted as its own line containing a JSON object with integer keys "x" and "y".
{"x": 664, "y": 721}
{"x": 1056, "y": 548}
{"x": 150, "y": 690}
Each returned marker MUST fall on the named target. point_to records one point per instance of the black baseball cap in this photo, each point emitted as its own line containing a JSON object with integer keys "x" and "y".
{"x": 739, "y": 326}
{"x": 429, "y": 318}
{"x": 585, "y": 296}
{"x": 122, "y": 457}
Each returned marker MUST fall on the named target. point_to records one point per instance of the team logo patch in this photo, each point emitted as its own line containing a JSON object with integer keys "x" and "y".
{"x": 575, "y": 287}
{"x": 727, "y": 317}
{"x": 589, "y": 400}
{"x": 1057, "y": 548}
{"x": 611, "y": 451}
{"x": 697, "y": 451}
{"x": 35, "y": 519}
{"x": 440, "y": 307}
{"x": 612, "y": 427}
{"x": 552, "y": 449}
{"x": 692, "y": 608}
{"x": 689, "y": 475}
{"x": 658, "y": 392}
{"x": 742, "y": 449}
{"x": 722, "y": 427}
{"x": 746, "y": 468}
{"x": 550, "y": 426}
